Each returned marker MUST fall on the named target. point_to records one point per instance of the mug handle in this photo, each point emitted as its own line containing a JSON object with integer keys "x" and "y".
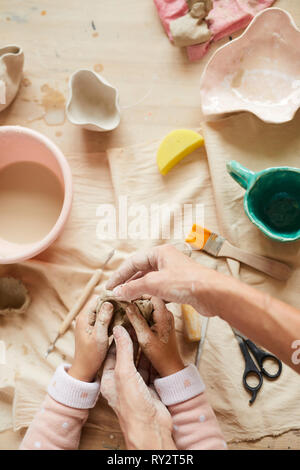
{"x": 240, "y": 174}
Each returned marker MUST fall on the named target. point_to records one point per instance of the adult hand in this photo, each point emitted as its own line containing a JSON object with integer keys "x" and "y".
{"x": 158, "y": 342}
{"x": 167, "y": 273}
{"x": 91, "y": 340}
{"x": 144, "y": 420}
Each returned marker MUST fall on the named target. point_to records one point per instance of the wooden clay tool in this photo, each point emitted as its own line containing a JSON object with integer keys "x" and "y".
{"x": 195, "y": 328}
{"x": 203, "y": 239}
{"x": 93, "y": 282}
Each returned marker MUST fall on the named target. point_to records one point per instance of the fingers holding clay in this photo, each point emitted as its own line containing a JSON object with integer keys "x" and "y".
{"x": 139, "y": 262}
{"x": 139, "y": 324}
{"x": 125, "y": 356}
{"x": 102, "y": 323}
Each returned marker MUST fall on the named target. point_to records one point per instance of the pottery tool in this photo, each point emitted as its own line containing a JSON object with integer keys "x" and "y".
{"x": 192, "y": 323}
{"x": 258, "y": 368}
{"x": 95, "y": 279}
{"x": 203, "y": 239}
{"x": 195, "y": 328}
{"x": 202, "y": 340}
{"x": 175, "y": 146}
{"x": 261, "y": 357}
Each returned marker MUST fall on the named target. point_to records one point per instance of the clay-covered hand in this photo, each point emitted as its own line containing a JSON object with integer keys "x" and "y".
{"x": 167, "y": 273}
{"x": 144, "y": 420}
{"x": 158, "y": 342}
{"x": 91, "y": 340}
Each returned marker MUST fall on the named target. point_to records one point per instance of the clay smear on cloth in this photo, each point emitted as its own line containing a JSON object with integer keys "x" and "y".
{"x": 14, "y": 297}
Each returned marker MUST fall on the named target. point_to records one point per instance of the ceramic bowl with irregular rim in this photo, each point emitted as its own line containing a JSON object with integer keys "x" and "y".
{"x": 93, "y": 103}
{"x": 19, "y": 144}
{"x": 258, "y": 72}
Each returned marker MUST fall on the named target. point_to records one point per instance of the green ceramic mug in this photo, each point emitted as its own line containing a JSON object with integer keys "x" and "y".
{"x": 272, "y": 199}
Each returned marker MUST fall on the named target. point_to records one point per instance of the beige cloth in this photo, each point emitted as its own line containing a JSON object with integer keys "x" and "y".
{"x": 56, "y": 277}
{"x": 256, "y": 145}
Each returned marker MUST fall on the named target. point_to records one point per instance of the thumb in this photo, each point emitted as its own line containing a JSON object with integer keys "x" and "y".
{"x": 149, "y": 284}
{"x": 124, "y": 349}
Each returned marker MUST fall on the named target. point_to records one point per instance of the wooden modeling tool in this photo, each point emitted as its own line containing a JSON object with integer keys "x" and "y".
{"x": 93, "y": 282}
{"x": 195, "y": 328}
{"x": 203, "y": 239}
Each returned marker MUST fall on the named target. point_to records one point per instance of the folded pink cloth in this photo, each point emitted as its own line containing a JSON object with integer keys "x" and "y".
{"x": 226, "y": 17}
{"x": 169, "y": 10}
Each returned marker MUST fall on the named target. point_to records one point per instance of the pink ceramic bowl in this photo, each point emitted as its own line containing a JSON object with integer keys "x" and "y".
{"x": 23, "y": 144}
{"x": 257, "y": 72}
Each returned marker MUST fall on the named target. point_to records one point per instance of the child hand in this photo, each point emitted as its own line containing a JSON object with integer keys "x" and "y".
{"x": 159, "y": 342}
{"x": 144, "y": 420}
{"x": 91, "y": 341}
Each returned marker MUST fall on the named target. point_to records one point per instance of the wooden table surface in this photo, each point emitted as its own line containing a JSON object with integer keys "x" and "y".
{"x": 125, "y": 42}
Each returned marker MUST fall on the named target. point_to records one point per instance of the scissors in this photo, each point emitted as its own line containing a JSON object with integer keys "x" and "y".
{"x": 251, "y": 368}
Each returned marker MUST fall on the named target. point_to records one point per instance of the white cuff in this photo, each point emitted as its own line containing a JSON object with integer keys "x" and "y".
{"x": 72, "y": 392}
{"x": 181, "y": 386}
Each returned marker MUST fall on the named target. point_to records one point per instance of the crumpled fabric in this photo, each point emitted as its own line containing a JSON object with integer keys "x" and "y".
{"x": 225, "y": 18}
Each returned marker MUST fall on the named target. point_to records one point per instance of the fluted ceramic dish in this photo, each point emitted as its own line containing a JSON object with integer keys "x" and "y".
{"x": 11, "y": 69}
{"x": 93, "y": 103}
{"x": 257, "y": 72}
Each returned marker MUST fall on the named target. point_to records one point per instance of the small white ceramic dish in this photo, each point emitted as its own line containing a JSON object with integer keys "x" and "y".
{"x": 93, "y": 103}
{"x": 11, "y": 70}
{"x": 257, "y": 72}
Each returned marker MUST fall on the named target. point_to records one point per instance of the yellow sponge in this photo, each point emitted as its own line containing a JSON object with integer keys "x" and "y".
{"x": 175, "y": 146}
{"x": 192, "y": 323}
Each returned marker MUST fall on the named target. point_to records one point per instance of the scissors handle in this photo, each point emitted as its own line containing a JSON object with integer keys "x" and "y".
{"x": 250, "y": 370}
{"x": 261, "y": 357}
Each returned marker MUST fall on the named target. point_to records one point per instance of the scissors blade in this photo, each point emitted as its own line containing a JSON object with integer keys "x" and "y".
{"x": 238, "y": 333}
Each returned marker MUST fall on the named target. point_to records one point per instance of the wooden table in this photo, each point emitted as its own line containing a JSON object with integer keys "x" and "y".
{"x": 124, "y": 40}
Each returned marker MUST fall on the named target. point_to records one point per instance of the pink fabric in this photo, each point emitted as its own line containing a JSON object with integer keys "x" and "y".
{"x": 58, "y": 427}
{"x": 72, "y": 392}
{"x": 55, "y": 427}
{"x": 179, "y": 387}
{"x": 169, "y": 10}
{"x": 225, "y": 18}
{"x": 195, "y": 425}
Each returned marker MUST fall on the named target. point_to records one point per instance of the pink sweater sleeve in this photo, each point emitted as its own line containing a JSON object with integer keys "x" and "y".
{"x": 58, "y": 423}
{"x": 194, "y": 422}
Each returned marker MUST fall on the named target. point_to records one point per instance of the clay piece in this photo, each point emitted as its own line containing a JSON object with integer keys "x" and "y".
{"x": 192, "y": 28}
{"x": 93, "y": 103}
{"x": 119, "y": 317}
{"x": 11, "y": 69}
{"x": 14, "y": 297}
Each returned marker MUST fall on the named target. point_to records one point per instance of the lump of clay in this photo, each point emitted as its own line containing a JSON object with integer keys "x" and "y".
{"x": 187, "y": 31}
{"x": 207, "y": 5}
{"x": 192, "y": 28}
{"x": 14, "y": 297}
{"x": 119, "y": 317}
